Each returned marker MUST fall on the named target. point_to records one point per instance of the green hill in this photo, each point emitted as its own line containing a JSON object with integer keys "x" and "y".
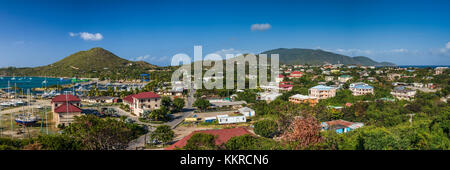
{"x": 318, "y": 57}
{"x": 96, "y": 62}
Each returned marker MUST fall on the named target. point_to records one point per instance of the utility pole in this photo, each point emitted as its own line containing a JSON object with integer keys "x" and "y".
{"x": 410, "y": 118}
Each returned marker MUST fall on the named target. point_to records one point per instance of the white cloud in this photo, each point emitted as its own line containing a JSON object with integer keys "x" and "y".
{"x": 446, "y": 49}
{"x": 87, "y": 36}
{"x": 223, "y": 52}
{"x": 353, "y": 52}
{"x": 142, "y": 58}
{"x": 260, "y": 27}
{"x": 400, "y": 50}
{"x": 151, "y": 59}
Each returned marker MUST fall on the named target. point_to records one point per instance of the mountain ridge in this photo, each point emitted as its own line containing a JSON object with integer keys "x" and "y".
{"x": 318, "y": 57}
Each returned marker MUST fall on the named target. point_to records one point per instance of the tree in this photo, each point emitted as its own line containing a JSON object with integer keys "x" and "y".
{"x": 166, "y": 101}
{"x": 266, "y": 128}
{"x": 201, "y": 141}
{"x": 202, "y": 104}
{"x": 100, "y": 134}
{"x": 163, "y": 134}
{"x": 58, "y": 142}
{"x": 247, "y": 96}
{"x": 303, "y": 132}
{"x": 159, "y": 114}
{"x": 178, "y": 104}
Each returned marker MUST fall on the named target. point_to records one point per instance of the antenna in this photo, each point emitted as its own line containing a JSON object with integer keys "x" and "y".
{"x": 67, "y": 106}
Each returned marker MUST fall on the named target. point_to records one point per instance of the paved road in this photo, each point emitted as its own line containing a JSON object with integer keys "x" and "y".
{"x": 178, "y": 118}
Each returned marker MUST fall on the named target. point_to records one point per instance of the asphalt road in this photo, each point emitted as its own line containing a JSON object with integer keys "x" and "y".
{"x": 177, "y": 118}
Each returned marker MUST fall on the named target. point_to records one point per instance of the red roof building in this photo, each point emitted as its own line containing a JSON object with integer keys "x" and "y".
{"x": 286, "y": 87}
{"x": 146, "y": 95}
{"x": 128, "y": 99}
{"x": 67, "y": 108}
{"x": 295, "y": 74}
{"x": 286, "y": 82}
{"x": 222, "y": 136}
{"x": 65, "y": 98}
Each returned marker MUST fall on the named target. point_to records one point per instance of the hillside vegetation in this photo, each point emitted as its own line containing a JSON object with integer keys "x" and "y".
{"x": 318, "y": 57}
{"x": 96, "y": 62}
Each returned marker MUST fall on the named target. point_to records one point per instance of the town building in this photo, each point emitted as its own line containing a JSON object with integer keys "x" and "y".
{"x": 360, "y": 88}
{"x": 440, "y": 70}
{"x": 65, "y": 108}
{"x": 329, "y": 78}
{"x": 393, "y": 76}
{"x": 247, "y": 112}
{"x": 344, "y": 78}
{"x": 298, "y": 98}
{"x": 285, "y": 87}
{"x": 279, "y": 78}
{"x": 225, "y": 119}
{"x": 402, "y": 93}
{"x": 141, "y": 102}
{"x": 341, "y": 126}
{"x": 322, "y": 92}
{"x": 295, "y": 74}
{"x": 268, "y": 96}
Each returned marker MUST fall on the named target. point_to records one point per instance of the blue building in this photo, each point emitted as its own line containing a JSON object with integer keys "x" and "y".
{"x": 341, "y": 126}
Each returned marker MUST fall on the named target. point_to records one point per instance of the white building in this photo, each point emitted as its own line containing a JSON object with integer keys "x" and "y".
{"x": 402, "y": 93}
{"x": 344, "y": 78}
{"x": 247, "y": 112}
{"x": 322, "y": 92}
{"x": 360, "y": 88}
{"x": 268, "y": 96}
{"x": 225, "y": 119}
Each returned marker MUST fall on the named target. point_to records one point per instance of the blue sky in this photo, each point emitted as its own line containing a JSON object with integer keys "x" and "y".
{"x": 37, "y": 32}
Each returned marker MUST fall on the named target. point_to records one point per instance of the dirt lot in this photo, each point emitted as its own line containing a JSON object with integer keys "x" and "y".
{"x": 182, "y": 131}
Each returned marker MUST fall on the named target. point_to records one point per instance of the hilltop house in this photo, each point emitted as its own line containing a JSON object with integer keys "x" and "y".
{"x": 268, "y": 96}
{"x": 341, "y": 126}
{"x": 247, "y": 112}
{"x": 329, "y": 78}
{"x": 298, "y": 98}
{"x": 440, "y": 70}
{"x": 402, "y": 93}
{"x": 279, "y": 78}
{"x": 286, "y": 86}
{"x": 360, "y": 88}
{"x": 295, "y": 74}
{"x": 141, "y": 102}
{"x": 65, "y": 108}
{"x": 322, "y": 92}
{"x": 344, "y": 78}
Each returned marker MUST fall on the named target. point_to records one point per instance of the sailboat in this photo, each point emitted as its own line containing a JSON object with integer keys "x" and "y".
{"x": 26, "y": 118}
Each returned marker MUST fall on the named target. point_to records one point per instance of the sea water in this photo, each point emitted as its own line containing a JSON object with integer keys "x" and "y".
{"x": 26, "y": 83}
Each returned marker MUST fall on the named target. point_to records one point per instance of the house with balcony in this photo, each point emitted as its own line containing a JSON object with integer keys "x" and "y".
{"x": 341, "y": 126}
{"x": 360, "y": 88}
{"x": 344, "y": 78}
{"x": 298, "y": 98}
{"x": 295, "y": 74}
{"x": 141, "y": 102}
{"x": 322, "y": 91}
{"x": 403, "y": 93}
